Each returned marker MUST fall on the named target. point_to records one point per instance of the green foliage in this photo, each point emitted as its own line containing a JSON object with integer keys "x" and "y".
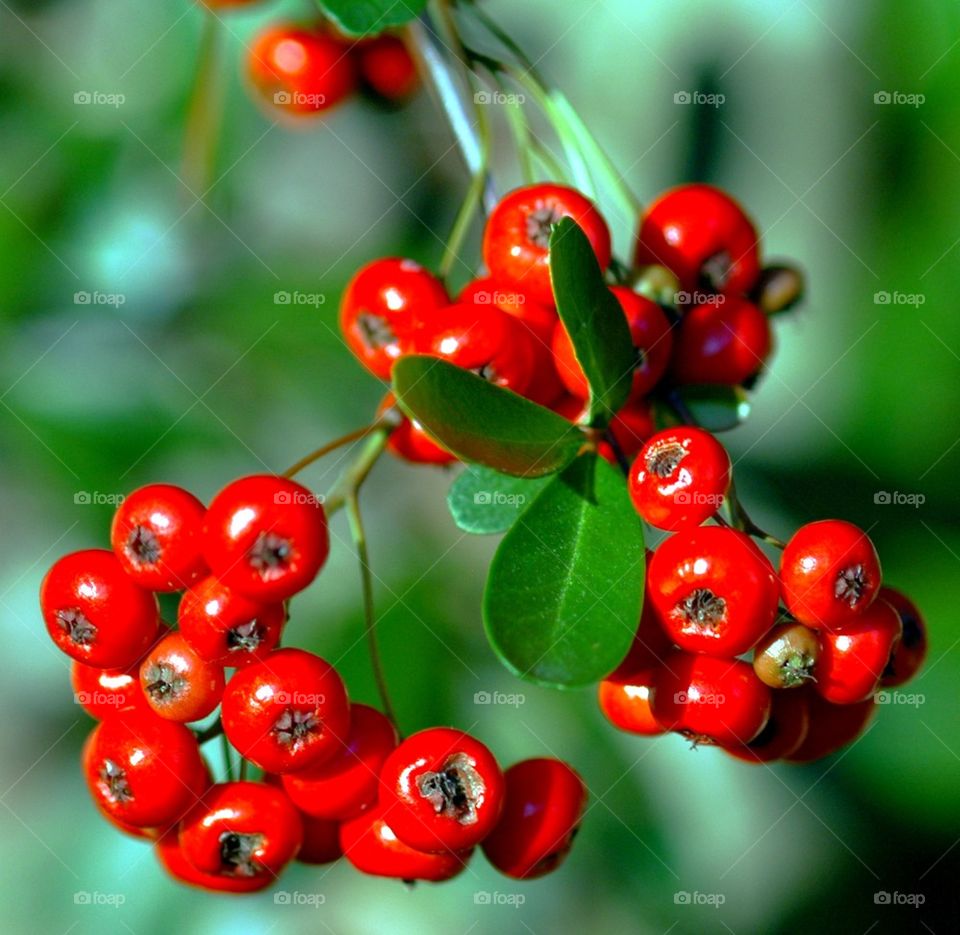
{"x": 369, "y": 17}
{"x": 484, "y": 502}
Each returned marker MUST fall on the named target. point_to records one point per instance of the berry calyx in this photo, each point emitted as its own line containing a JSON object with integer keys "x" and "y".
{"x": 348, "y": 783}
{"x": 177, "y": 683}
{"x": 265, "y": 537}
{"x": 95, "y": 613}
{"x": 830, "y": 573}
{"x": 786, "y": 657}
{"x": 543, "y": 804}
{"x": 680, "y": 478}
{"x": 175, "y": 863}
{"x": 288, "y": 712}
{"x": 714, "y": 591}
{"x": 156, "y": 537}
{"x": 442, "y": 790}
{"x": 910, "y": 652}
{"x": 241, "y": 830}
{"x": 516, "y": 240}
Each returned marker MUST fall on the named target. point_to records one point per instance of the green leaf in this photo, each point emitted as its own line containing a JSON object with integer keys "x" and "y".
{"x": 594, "y": 320}
{"x": 483, "y": 423}
{"x": 369, "y": 17}
{"x": 485, "y": 502}
{"x": 713, "y": 407}
{"x": 565, "y": 588}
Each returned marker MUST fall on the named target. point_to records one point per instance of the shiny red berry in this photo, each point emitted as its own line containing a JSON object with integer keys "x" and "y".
{"x": 442, "y": 790}
{"x": 516, "y": 241}
{"x": 242, "y": 830}
{"x": 143, "y": 770}
{"x": 714, "y": 591}
{"x": 369, "y": 843}
{"x": 711, "y": 700}
{"x": 348, "y": 783}
{"x": 680, "y": 478}
{"x": 225, "y": 627}
{"x": 785, "y": 731}
{"x": 95, "y": 613}
{"x": 387, "y": 67}
{"x": 652, "y": 341}
{"x": 383, "y": 308}
{"x": 786, "y": 656}
{"x": 104, "y": 692}
{"x": 831, "y": 727}
{"x": 852, "y": 661}
{"x": 543, "y": 804}
{"x": 177, "y": 683}
{"x": 265, "y": 537}
{"x": 156, "y": 537}
{"x": 539, "y": 318}
{"x": 288, "y": 712}
{"x": 484, "y": 340}
{"x": 723, "y": 341}
{"x": 300, "y": 70}
{"x": 175, "y": 863}
{"x": 410, "y": 441}
{"x": 830, "y": 573}
{"x": 704, "y": 237}
{"x": 910, "y": 652}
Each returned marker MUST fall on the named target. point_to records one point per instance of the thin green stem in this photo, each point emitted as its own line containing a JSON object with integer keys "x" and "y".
{"x": 316, "y": 455}
{"x": 742, "y": 521}
{"x": 205, "y": 110}
{"x": 244, "y": 763}
{"x": 523, "y": 143}
{"x": 227, "y": 757}
{"x": 214, "y": 730}
{"x": 357, "y": 472}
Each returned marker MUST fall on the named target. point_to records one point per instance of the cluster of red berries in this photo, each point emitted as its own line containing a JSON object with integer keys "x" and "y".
{"x": 336, "y": 778}
{"x": 308, "y": 69}
{"x": 824, "y": 634}
{"x": 504, "y": 326}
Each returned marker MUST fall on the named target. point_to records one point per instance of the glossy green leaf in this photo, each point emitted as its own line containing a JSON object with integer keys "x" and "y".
{"x": 593, "y": 319}
{"x": 485, "y": 502}
{"x": 369, "y": 17}
{"x": 565, "y": 588}
{"x": 483, "y": 423}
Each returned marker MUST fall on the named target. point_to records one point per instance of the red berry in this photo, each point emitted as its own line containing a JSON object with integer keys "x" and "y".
{"x": 387, "y": 67}
{"x": 516, "y": 241}
{"x": 95, "y": 613}
{"x": 481, "y": 338}
{"x": 704, "y": 237}
{"x": 830, "y": 573}
{"x": 177, "y": 683}
{"x": 785, "y": 731}
{"x": 714, "y": 591}
{"x": 831, "y": 727}
{"x": 156, "y": 537}
{"x": 652, "y": 340}
{"x": 347, "y": 784}
{"x": 383, "y": 307}
{"x": 543, "y": 804}
{"x": 241, "y": 830}
{"x": 539, "y": 318}
{"x": 786, "y": 656}
{"x": 104, "y": 692}
{"x": 711, "y": 700}
{"x": 910, "y": 652}
{"x": 288, "y": 712}
{"x": 143, "y": 770}
{"x": 442, "y": 790}
{"x": 369, "y": 843}
{"x": 265, "y": 537}
{"x": 321, "y": 841}
{"x": 852, "y": 661}
{"x": 410, "y": 441}
{"x": 173, "y": 860}
{"x": 725, "y": 341}
{"x": 225, "y": 627}
{"x": 301, "y": 70}
{"x": 680, "y": 478}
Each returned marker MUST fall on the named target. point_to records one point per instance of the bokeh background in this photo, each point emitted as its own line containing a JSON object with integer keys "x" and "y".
{"x": 200, "y": 375}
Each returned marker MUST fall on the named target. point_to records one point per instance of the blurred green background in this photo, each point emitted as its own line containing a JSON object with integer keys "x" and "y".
{"x": 200, "y": 376}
